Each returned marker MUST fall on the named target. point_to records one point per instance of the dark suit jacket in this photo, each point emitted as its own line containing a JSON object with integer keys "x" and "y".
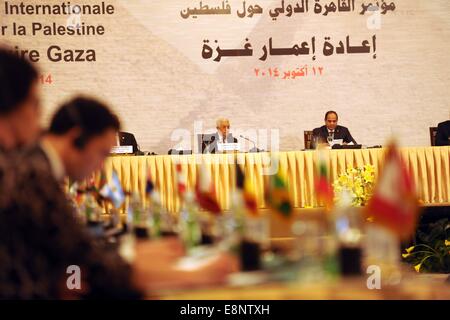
{"x": 443, "y": 134}
{"x": 128, "y": 139}
{"x": 321, "y": 134}
{"x": 6, "y": 181}
{"x": 40, "y": 237}
{"x": 211, "y": 146}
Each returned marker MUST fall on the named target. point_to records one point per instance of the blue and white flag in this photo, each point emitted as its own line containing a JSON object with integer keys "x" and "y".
{"x": 114, "y": 191}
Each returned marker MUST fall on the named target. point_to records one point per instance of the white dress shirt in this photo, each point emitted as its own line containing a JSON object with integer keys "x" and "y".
{"x": 56, "y": 163}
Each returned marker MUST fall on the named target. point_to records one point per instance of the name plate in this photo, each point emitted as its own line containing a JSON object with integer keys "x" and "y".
{"x": 337, "y": 141}
{"x": 122, "y": 150}
{"x": 223, "y": 147}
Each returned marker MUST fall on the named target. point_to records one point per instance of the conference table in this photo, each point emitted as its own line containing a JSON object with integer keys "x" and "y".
{"x": 429, "y": 166}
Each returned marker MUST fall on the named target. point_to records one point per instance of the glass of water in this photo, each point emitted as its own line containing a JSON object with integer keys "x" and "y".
{"x": 330, "y": 140}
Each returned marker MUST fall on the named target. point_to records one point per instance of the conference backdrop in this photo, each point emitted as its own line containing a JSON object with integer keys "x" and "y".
{"x": 273, "y": 67}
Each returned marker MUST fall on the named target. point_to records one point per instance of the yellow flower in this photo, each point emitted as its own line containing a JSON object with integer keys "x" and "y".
{"x": 343, "y": 179}
{"x": 359, "y": 191}
{"x": 447, "y": 243}
{"x": 405, "y": 255}
{"x": 368, "y": 177}
{"x": 350, "y": 184}
{"x": 410, "y": 249}
{"x": 417, "y": 267}
{"x": 358, "y": 181}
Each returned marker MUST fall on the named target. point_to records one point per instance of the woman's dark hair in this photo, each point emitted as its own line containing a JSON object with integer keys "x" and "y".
{"x": 16, "y": 78}
{"x": 91, "y": 116}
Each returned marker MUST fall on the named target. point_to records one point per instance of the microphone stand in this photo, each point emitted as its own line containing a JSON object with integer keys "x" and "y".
{"x": 254, "y": 149}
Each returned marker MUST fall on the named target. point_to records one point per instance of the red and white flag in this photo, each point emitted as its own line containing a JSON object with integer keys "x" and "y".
{"x": 204, "y": 191}
{"x": 394, "y": 203}
{"x": 181, "y": 180}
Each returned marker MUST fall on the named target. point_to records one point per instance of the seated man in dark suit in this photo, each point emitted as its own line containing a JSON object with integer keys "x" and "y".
{"x": 443, "y": 134}
{"x": 331, "y": 129}
{"x": 222, "y": 135}
{"x": 128, "y": 139}
{"x": 41, "y": 234}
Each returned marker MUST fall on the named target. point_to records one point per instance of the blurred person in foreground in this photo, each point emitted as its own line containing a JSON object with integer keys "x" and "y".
{"x": 19, "y": 112}
{"x": 19, "y": 102}
{"x": 39, "y": 234}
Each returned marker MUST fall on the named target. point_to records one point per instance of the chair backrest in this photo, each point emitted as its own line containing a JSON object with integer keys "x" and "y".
{"x": 203, "y": 140}
{"x": 127, "y": 138}
{"x": 308, "y": 139}
{"x": 433, "y": 133}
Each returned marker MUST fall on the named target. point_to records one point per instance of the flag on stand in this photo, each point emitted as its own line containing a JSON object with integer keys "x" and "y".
{"x": 277, "y": 195}
{"x": 149, "y": 186}
{"x": 113, "y": 191}
{"x": 149, "y": 190}
{"x": 394, "y": 203}
{"x": 91, "y": 186}
{"x": 181, "y": 181}
{"x": 246, "y": 189}
{"x": 324, "y": 188}
{"x": 96, "y": 190}
{"x": 103, "y": 180}
{"x": 204, "y": 191}
{"x": 75, "y": 193}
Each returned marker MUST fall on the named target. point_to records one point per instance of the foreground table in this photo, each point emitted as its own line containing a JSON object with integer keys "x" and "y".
{"x": 412, "y": 287}
{"x": 430, "y": 167}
